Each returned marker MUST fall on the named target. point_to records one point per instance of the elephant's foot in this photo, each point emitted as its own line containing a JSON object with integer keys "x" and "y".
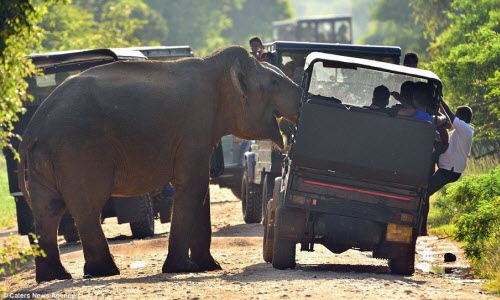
{"x": 207, "y": 263}
{"x": 100, "y": 270}
{"x": 185, "y": 265}
{"x": 51, "y": 273}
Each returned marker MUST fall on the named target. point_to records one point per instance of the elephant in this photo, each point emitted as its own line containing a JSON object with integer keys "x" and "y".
{"x": 129, "y": 127}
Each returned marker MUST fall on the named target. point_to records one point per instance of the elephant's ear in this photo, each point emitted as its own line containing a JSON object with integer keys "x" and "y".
{"x": 238, "y": 80}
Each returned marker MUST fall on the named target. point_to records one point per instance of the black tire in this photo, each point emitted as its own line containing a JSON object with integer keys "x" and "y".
{"x": 265, "y": 195}
{"x": 146, "y": 226}
{"x": 68, "y": 228}
{"x": 283, "y": 250}
{"x": 268, "y": 240}
{"x": 162, "y": 206}
{"x": 251, "y": 200}
{"x": 235, "y": 184}
{"x": 404, "y": 264}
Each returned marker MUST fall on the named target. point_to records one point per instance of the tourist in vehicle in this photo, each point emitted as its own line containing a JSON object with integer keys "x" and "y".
{"x": 380, "y": 98}
{"x": 410, "y": 60}
{"x": 405, "y": 94}
{"x": 453, "y": 161}
{"x": 288, "y": 69}
{"x": 267, "y": 57}
{"x": 257, "y": 47}
{"x": 422, "y": 99}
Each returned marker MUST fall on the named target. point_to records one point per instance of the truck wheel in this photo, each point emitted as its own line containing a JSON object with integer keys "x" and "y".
{"x": 404, "y": 264}
{"x": 68, "y": 228}
{"x": 235, "y": 184}
{"x": 283, "y": 250}
{"x": 251, "y": 200}
{"x": 268, "y": 240}
{"x": 265, "y": 195}
{"x": 146, "y": 226}
{"x": 162, "y": 206}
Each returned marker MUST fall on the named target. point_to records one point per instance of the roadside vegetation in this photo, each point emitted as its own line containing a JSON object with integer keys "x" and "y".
{"x": 469, "y": 211}
{"x": 7, "y": 205}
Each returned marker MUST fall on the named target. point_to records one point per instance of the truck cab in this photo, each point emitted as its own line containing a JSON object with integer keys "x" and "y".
{"x": 263, "y": 162}
{"x": 55, "y": 67}
{"x": 355, "y": 177}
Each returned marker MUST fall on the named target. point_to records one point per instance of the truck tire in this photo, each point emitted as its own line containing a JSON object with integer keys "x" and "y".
{"x": 235, "y": 183}
{"x": 404, "y": 264}
{"x": 68, "y": 228}
{"x": 146, "y": 226}
{"x": 251, "y": 200}
{"x": 268, "y": 240}
{"x": 265, "y": 196}
{"x": 283, "y": 250}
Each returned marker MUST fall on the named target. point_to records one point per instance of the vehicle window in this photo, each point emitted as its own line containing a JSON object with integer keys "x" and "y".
{"x": 354, "y": 86}
{"x": 41, "y": 86}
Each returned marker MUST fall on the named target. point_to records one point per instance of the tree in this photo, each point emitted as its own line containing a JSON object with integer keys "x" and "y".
{"x": 255, "y": 18}
{"x": 195, "y": 23}
{"x": 98, "y": 23}
{"x": 19, "y": 35}
{"x": 396, "y": 25}
{"x": 466, "y": 55}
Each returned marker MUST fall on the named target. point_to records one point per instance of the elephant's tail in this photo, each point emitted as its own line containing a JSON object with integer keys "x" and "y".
{"x": 25, "y": 146}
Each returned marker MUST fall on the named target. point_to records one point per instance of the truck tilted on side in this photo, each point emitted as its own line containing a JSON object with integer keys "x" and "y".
{"x": 262, "y": 163}
{"x": 355, "y": 177}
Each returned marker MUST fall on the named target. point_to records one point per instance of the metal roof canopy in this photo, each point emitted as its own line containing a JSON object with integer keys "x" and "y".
{"x": 329, "y": 47}
{"x": 370, "y": 64}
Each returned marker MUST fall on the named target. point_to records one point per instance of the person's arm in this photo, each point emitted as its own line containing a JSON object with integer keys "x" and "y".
{"x": 442, "y": 120}
{"x": 396, "y": 96}
{"x": 406, "y": 112}
{"x": 448, "y": 111}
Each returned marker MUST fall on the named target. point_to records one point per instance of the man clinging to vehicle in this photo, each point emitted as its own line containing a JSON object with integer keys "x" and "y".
{"x": 453, "y": 161}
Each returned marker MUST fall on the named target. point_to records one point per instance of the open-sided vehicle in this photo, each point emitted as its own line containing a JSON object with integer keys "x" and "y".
{"x": 354, "y": 177}
{"x": 139, "y": 211}
{"x": 263, "y": 162}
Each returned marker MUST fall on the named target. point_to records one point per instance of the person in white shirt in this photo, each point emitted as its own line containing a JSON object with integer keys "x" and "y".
{"x": 451, "y": 163}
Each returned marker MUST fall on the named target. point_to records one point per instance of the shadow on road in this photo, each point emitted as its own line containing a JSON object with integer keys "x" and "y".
{"x": 243, "y": 230}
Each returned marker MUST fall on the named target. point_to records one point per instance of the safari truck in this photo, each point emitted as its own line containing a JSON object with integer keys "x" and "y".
{"x": 263, "y": 163}
{"x": 139, "y": 211}
{"x": 354, "y": 178}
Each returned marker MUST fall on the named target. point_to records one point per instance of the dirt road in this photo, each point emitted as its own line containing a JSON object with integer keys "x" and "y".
{"x": 238, "y": 248}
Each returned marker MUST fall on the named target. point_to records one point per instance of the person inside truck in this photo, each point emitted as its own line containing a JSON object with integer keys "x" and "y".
{"x": 453, "y": 161}
{"x": 267, "y": 57}
{"x": 298, "y": 62}
{"x": 380, "y": 98}
{"x": 422, "y": 99}
{"x": 410, "y": 60}
{"x": 405, "y": 94}
{"x": 257, "y": 47}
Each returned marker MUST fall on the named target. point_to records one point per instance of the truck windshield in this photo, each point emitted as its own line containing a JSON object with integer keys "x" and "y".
{"x": 354, "y": 86}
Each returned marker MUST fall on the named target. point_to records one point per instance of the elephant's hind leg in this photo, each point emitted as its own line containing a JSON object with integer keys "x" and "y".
{"x": 47, "y": 207}
{"x": 98, "y": 259}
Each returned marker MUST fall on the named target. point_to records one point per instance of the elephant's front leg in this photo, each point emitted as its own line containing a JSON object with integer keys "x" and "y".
{"x": 190, "y": 192}
{"x": 202, "y": 237}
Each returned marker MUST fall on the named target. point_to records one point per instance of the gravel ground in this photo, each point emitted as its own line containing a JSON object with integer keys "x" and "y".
{"x": 245, "y": 275}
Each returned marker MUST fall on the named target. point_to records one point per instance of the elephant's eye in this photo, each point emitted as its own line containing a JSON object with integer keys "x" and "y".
{"x": 275, "y": 82}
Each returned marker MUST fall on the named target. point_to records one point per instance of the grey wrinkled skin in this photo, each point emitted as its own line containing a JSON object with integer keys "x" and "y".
{"x": 127, "y": 128}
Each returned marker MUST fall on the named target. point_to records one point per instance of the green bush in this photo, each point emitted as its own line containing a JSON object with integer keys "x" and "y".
{"x": 13, "y": 254}
{"x": 472, "y": 207}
